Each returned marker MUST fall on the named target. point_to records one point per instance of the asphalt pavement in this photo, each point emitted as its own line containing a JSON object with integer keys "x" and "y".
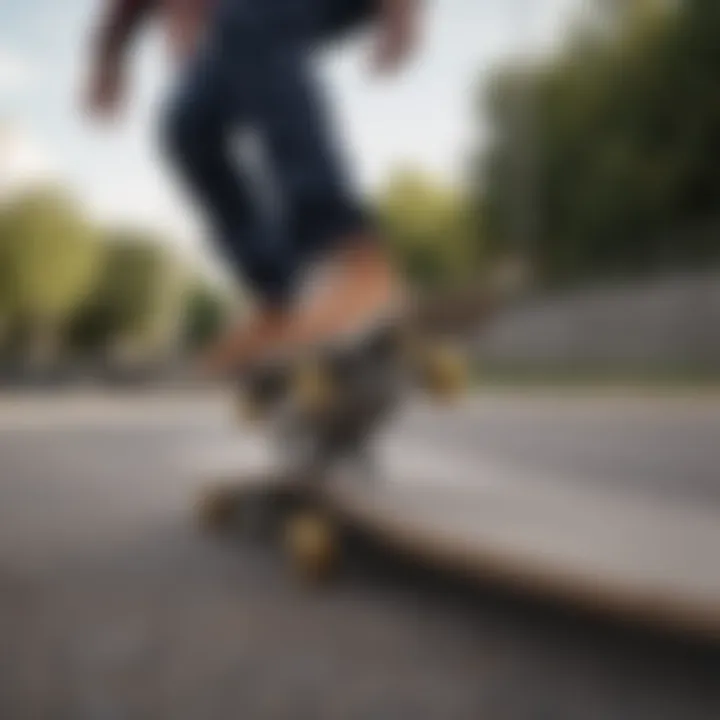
{"x": 113, "y": 605}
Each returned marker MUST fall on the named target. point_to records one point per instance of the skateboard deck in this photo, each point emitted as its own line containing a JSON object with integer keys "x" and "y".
{"x": 609, "y": 555}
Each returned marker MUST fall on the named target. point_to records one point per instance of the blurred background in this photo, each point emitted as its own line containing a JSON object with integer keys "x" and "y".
{"x": 546, "y": 174}
{"x": 555, "y": 156}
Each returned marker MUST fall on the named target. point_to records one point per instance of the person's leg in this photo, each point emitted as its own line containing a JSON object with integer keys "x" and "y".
{"x": 327, "y": 220}
{"x": 258, "y": 64}
{"x": 290, "y": 111}
{"x": 198, "y": 128}
{"x": 283, "y": 102}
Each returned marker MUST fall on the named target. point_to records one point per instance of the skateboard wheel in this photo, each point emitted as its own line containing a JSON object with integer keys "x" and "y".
{"x": 311, "y": 545}
{"x": 444, "y": 373}
{"x": 217, "y": 509}
{"x": 313, "y": 388}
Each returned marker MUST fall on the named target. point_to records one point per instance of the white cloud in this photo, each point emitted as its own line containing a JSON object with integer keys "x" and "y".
{"x": 23, "y": 162}
{"x": 15, "y": 72}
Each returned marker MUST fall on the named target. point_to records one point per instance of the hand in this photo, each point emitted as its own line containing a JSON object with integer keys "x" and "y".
{"x": 105, "y": 92}
{"x": 398, "y": 35}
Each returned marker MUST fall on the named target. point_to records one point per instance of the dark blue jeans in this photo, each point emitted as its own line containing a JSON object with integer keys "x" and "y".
{"x": 254, "y": 75}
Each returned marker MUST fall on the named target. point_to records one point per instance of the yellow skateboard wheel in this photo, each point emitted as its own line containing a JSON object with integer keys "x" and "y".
{"x": 313, "y": 388}
{"x": 444, "y": 372}
{"x": 311, "y": 544}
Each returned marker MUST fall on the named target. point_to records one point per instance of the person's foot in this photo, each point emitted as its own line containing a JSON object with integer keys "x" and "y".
{"x": 358, "y": 289}
{"x": 243, "y": 343}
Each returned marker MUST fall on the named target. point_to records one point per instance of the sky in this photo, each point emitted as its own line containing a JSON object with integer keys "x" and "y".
{"x": 425, "y": 118}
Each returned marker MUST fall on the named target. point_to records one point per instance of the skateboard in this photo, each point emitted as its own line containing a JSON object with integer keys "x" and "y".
{"x": 324, "y": 413}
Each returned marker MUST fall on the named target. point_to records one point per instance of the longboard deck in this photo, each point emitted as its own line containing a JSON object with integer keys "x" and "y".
{"x": 608, "y": 557}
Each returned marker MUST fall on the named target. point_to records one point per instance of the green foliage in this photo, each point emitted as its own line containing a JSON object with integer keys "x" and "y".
{"x": 623, "y": 129}
{"x": 206, "y": 312}
{"x": 91, "y": 329}
{"x": 65, "y": 284}
{"x": 138, "y": 292}
{"x": 5, "y": 269}
{"x": 48, "y": 257}
{"x": 429, "y": 229}
{"x": 48, "y": 260}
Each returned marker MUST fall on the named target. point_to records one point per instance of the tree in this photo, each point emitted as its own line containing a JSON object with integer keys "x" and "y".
{"x": 206, "y": 312}
{"x": 5, "y": 278}
{"x": 136, "y": 304}
{"x": 429, "y": 229}
{"x": 49, "y": 256}
{"x": 625, "y": 128}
